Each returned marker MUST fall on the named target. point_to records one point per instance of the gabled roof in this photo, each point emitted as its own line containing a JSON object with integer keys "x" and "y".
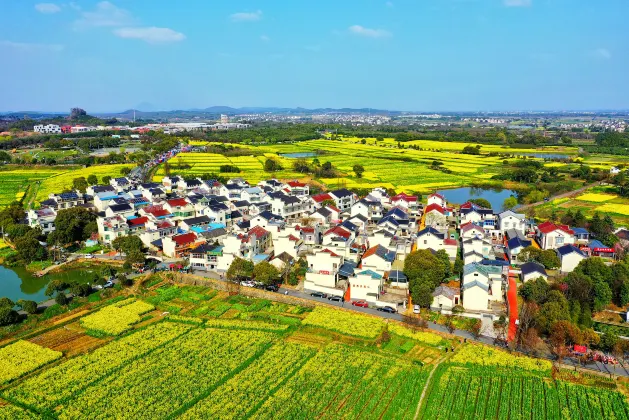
{"x": 397, "y": 212}
{"x": 269, "y": 216}
{"x": 511, "y": 213}
{"x": 446, "y": 291}
{"x": 327, "y": 251}
{"x": 381, "y": 252}
{"x": 324, "y": 212}
{"x": 434, "y": 207}
{"x": 548, "y": 227}
{"x": 342, "y": 192}
{"x": 295, "y": 184}
{"x": 432, "y": 231}
{"x": 469, "y": 226}
{"x": 569, "y": 249}
{"x": 533, "y": 267}
{"x": 404, "y": 197}
{"x": 580, "y": 231}
{"x": 199, "y": 220}
{"x": 596, "y": 245}
{"x": 184, "y": 239}
{"x": 517, "y": 243}
{"x": 138, "y": 221}
{"x": 259, "y": 231}
{"x": 117, "y": 208}
{"x": 486, "y": 270}
{"x": 451, "y": 242}
{"x": 177, "y": 202}
{"x": 437, "y": 195}
{"x": 475, "y": 283}
{"x": 397, "y": 275}
{"x": 338, "y": 231}
{"x": 347, "y": 268}
{"x": 370, "y": 273}
{"x": 319, "y": 198}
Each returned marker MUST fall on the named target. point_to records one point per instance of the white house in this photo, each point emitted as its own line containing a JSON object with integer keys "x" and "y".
{"x": 532, "y": 270}
{"x": 435, "y": 216}
{"x": 552, "y": 236}
{"x": 437, "y": 199}
{"x": 378, "y": 259}
{"x": 570, "y": 257}
{"x": 511, "y": 220}
{"x": 366, "y": 285}
{"x": 343, "y": 198}
{"x": 431, "y": 238}
{"x": 44, "y": 218}
{"x": 445, "y": 298}
{"x": 322, "y": 272}
{"x": 47, "y": 129}
{"x": 471, "y": 230}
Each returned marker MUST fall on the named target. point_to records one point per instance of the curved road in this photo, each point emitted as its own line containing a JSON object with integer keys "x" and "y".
{"x": 558, "y": 196}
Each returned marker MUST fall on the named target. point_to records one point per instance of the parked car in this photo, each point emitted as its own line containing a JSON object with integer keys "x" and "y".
{"x": 272, "y": 288}
{"x": 335, "y": 299}
{"x": 360, "y": 303}
{"x": 247, "y": 283}
{"x": 416, "y": 309}
{"x": 89, "y": 256}
{"x": 387, "y": 309}
{"x": 108, "y": 284}
{"x": 319, "y": 295}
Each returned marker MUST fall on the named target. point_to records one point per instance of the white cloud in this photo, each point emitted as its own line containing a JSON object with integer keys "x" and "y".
{"x": 517, "y": 3}
{"x": 603, "y": 53}
{"x": 264, "y": 38}
{"x": 369, "y": 33}
{"x": 30, "y": 47}
{"x": 105, "y": 14}
{"x": 152, "y": 34}
{"x": 47, "y": 8}
{"x": 247, "y": 16}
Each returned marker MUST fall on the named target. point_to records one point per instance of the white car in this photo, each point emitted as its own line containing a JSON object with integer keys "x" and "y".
{"x": 89, "y": 256}
{"x": 247, "y": 283}
{"x": 416, "y": 309}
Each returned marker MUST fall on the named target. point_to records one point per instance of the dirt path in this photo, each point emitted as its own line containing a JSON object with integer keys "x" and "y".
{"x": 421, "y": 398}
{"x": 564, "y": 195}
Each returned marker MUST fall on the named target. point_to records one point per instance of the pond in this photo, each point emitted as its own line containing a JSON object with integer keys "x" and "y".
{"x": 298, "y": 155}
{"x": 18, "y": 283}
{"x": 495, "y": 196}
{"x": 546, "y": 155}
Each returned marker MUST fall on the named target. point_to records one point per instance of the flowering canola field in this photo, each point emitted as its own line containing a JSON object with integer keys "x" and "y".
{"x": 205, "y": 367}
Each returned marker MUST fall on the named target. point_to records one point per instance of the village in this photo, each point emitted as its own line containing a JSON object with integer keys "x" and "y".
{"x": 354, "y": 248}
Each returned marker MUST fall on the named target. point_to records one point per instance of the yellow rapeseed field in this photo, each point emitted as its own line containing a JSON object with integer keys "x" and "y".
{"x": 22, "y": 357}
{"x": 596, "y": 197}
{"x": 614, "y": 208}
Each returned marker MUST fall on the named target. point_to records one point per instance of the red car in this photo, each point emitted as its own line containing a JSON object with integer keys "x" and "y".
{"x": 360, "y": 303}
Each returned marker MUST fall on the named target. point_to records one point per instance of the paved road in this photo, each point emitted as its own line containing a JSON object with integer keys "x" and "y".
{"x": 558, "y": 196}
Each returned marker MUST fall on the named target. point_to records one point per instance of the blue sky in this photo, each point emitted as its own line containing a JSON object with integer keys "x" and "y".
{"x": 416, "y": 55}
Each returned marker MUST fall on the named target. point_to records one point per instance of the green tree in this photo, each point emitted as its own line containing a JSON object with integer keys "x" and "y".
{"x": 127, "y": 244}
{"x": 62, "y": 299}
{"x": 358, "y": 170}
{"x": 70, "y": 226}
{"x": 458, "y": 265}
{"x": 6, "y": 302}
{"x": 265, "y": 273}
{"x": 240, "y": 269}
{"x": 125, "y": 171}
{"x": 135, "y": 257}
{"x": 530, "y": 253}
{"x": 579, "y": 288}
{"x": 92, "y": 179}
{"x": 445, "y": 260}
{"x": 80, "y": 289}
{"x": 509, "y": 203}
{"x": 56, "y": 286}
{"x": 555, "y": 309}
{"x": 28, "y": 306}
{"x": 535, "y": 290}
{"x": 272, "y": 165}
{"x": 8, "y": 316}
{"x": 602, "y": 295}
{"x": 80, "y": 184}
{"x": 481, "y": 202}
{"x": 549, "y": 259}
{"x": 106, "y": 179}
{"x": 29, "y": 249}
{"x": 422, "y": 294}
{"x": 424, "y": 267}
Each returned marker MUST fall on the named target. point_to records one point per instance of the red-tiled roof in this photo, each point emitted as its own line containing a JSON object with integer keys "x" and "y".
{"x": 177, "y": 202}
{"x": 259, "y": 231}
{"x": 437, "y": 195}
{"x": 548, "y": 227}
{"x": 296, "y": 184}
{"x": 338, "y": 231}
{"x": 184, "y": 239}
{"x": 434, "y": 207}
{"x": 371, "y": 251}
{"x": 450, "y": 242}
{"x": 402, "y": 196}
{"x": 334, "y": 208}
{"x": 319, "y": 198}
{"x": 164, "y": 224}
{"x": 293, "y": 238}
{"x": 330, "y": 252}
{"x": 138, "y": 221}
{"x": 470, "y": 226}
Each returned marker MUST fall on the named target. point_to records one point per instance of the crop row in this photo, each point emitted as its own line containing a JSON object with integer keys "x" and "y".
{"x": 22, "y": 357}
{"x": 345, "y": 322}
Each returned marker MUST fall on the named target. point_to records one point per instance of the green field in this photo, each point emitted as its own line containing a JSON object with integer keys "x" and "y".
{"x": 233, "y": 357}
{"x": 385, "y": 165}
{"x": 15, "y": 182}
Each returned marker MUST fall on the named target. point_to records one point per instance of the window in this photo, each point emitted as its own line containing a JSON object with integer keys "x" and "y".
{"x": 559, "y": 240}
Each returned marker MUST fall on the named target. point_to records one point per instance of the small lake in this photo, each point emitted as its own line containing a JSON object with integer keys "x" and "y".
{"x": 298, "y": 155}
{"x": 546, "y": 155}
{"x": 18, "y": 283}
{"x": 495, "y": 196}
